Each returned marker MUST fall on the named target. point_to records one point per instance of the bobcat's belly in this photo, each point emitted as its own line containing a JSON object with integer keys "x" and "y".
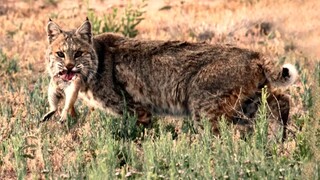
{"x": 167, "y": 108}
{"x": 161, "y": 103}
{"x": 91, "y": 101}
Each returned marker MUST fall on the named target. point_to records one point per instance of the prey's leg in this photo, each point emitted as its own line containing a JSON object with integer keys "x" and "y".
{"x": 71, "y": 95}
{"x": 72, "y": 112}
{"x": 53, "y": 97}
{"x": 213, "y": 106}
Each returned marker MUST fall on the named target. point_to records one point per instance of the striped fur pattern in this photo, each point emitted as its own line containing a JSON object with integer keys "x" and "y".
{"x": 199, "y": 80}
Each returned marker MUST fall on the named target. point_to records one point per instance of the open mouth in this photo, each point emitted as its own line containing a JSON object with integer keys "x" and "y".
{"x": 67, "y": 75}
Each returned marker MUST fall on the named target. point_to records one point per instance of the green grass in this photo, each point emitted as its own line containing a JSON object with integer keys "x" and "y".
{"x": 8, "y": 66}
{"x": 125, "y": 24}
{"x": 98, "y": 146}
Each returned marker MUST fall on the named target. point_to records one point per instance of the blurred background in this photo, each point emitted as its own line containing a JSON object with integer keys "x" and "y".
{"x": 282, "y": 26}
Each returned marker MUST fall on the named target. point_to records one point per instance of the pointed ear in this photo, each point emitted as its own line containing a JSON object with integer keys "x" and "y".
{"x": 85, "y": 31}
{"x": 53, "y": 30}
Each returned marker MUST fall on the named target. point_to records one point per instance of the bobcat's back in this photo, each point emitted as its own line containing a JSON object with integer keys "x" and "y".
{"x": 162, "y": 75}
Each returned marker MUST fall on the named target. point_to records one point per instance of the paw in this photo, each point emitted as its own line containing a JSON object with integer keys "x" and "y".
{"x": 63, "y": 119}
{"x": 144, "y": 118}
{"x": 47, "y": 116}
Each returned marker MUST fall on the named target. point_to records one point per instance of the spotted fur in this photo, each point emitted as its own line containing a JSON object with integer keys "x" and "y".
{"x": 115, "y": 73}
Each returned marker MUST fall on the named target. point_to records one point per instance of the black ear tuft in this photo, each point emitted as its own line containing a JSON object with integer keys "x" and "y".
{"x": 53, "y": 30}
{"x": 85, "y": 31}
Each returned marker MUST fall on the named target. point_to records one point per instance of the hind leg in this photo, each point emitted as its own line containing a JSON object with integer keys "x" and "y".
{"x": 203, "y": 104}
{"x": 278, "y": 111}
{"x": 279, "y": 107}
{"x": 244, "y": 120}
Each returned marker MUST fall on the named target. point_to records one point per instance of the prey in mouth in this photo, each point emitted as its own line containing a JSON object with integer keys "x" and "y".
{"x": 67, "y": 74}
{"x": 70, "y": 90}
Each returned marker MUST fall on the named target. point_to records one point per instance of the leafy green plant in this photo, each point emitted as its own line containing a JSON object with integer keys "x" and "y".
{"x": 133, "y": 17}
{"x": 110, "y": 22}
{"x": 260, "y": 137}
{"x": 125, "y": 24}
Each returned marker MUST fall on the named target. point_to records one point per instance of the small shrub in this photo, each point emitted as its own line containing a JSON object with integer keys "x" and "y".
{"x": 133, "y": 17}
{"x": 125, "y": 24}
{"x": 125, "y": 128}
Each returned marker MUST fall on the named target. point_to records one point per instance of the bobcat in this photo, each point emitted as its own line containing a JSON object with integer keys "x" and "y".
{"x": 115, "y": 73}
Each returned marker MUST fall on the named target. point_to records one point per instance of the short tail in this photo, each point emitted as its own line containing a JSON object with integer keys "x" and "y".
{"x": 286, "y": 77}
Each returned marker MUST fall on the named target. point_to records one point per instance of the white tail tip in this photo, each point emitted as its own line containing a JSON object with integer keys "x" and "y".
{"x": 289, "y": 73}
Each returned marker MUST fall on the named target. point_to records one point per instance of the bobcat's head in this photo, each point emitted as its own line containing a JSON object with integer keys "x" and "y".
{"x": 70, "y": 53}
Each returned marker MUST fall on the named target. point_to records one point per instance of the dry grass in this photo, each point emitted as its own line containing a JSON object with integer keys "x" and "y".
{"x": 292, "y": 35}
{"x": 23, "y": 22}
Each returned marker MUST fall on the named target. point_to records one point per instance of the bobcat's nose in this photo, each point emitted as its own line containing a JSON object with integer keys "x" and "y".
{"x": 70, "y": 66}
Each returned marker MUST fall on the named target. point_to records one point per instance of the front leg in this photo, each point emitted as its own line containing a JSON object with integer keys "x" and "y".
{"x": 71, "y": 95}
{"x": 142, "y": 113}
{"x": 144, "y": 116}
{"x": 53, "y": 97}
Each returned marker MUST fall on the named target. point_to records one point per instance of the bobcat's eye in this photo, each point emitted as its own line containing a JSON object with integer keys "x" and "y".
{"x": 78, "y": 54}
{"x": 60, "y": 54}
